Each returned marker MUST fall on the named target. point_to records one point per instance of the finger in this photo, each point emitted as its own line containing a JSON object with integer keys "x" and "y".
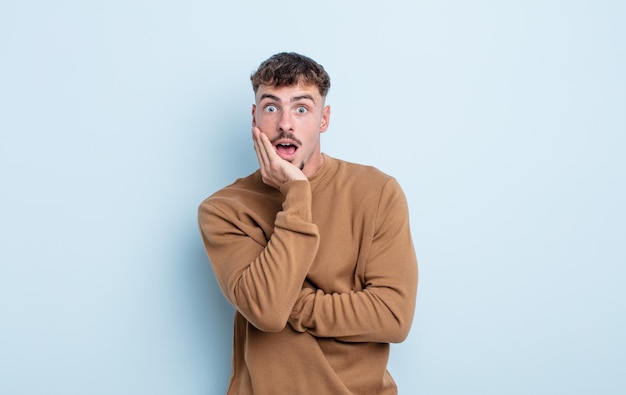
{"x": 268, "y": 148}
{"x": 259, "y": 147}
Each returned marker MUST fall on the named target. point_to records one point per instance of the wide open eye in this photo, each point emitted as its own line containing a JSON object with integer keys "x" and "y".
{"x": 301, "y": 110}
{"x": 270, "y": 108}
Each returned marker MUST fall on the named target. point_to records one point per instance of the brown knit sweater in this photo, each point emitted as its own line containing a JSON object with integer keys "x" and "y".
{"x": 323, "y": 276}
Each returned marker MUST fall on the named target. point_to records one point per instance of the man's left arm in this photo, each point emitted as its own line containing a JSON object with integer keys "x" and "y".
{"x": 383, "y": 310}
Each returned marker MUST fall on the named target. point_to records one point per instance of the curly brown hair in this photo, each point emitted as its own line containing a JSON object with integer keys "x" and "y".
{"x": 290, "y": 68}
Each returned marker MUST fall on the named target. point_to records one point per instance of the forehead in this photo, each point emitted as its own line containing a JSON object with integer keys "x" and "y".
{"x": 289, "y": 93}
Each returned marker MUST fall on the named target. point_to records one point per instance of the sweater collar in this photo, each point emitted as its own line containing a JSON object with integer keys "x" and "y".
{"x": 329, "y": 164}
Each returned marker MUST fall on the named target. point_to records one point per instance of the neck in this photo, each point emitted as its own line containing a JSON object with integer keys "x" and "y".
{"x": 312, "y": 166}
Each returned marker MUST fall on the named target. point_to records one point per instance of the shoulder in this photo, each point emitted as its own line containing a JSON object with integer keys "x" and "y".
{"x": 361, "y": 175}
{"x": 242, "y": 195}
{"x": 355, "y": 184}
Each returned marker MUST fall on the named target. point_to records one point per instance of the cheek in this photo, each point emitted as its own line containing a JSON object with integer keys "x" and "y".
{"x": 313, "y": 126}
{"x": 263, "y": 118}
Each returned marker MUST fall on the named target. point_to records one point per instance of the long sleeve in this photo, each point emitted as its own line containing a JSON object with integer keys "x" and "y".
{"x": 383, "y": 310}
{"x": 262, "y": 279}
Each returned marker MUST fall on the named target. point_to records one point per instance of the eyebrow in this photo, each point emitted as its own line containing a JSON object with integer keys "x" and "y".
{"x": 293, "y": 99}
{"x": 303, "y": 97}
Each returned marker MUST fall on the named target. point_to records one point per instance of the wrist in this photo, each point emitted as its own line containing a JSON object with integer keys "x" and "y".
{"x": 302, "y": 309}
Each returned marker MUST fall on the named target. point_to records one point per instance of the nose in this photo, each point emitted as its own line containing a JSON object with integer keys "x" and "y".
{"x": 285, "y": 124}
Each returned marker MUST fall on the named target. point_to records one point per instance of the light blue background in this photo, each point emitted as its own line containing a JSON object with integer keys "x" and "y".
{"x": 504, "y": 121}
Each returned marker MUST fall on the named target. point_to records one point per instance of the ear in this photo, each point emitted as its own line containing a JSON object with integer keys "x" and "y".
{"x": 325, "y": 119}
{"x": 253, "y": 115}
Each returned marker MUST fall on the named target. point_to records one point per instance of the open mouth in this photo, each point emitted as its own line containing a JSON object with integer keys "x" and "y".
{"x": 286, "y": 149}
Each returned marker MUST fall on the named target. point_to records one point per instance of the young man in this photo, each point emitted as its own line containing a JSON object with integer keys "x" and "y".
{"x": 314, "y": 253}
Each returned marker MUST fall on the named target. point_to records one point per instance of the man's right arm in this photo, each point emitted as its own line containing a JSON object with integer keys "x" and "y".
{"x": 262, "y": 279}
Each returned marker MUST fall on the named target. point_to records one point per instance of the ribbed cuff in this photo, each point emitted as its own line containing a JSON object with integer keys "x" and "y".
{"x": 298, "y": 199}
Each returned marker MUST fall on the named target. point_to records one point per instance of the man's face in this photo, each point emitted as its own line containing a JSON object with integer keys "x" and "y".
{"x": 293, "y": 117}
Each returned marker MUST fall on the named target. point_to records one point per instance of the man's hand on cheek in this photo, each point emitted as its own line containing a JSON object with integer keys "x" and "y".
{"x": 275, "y": 171}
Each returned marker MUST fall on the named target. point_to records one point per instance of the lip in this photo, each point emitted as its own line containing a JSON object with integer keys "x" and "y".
{"x": 286, "y": 141}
